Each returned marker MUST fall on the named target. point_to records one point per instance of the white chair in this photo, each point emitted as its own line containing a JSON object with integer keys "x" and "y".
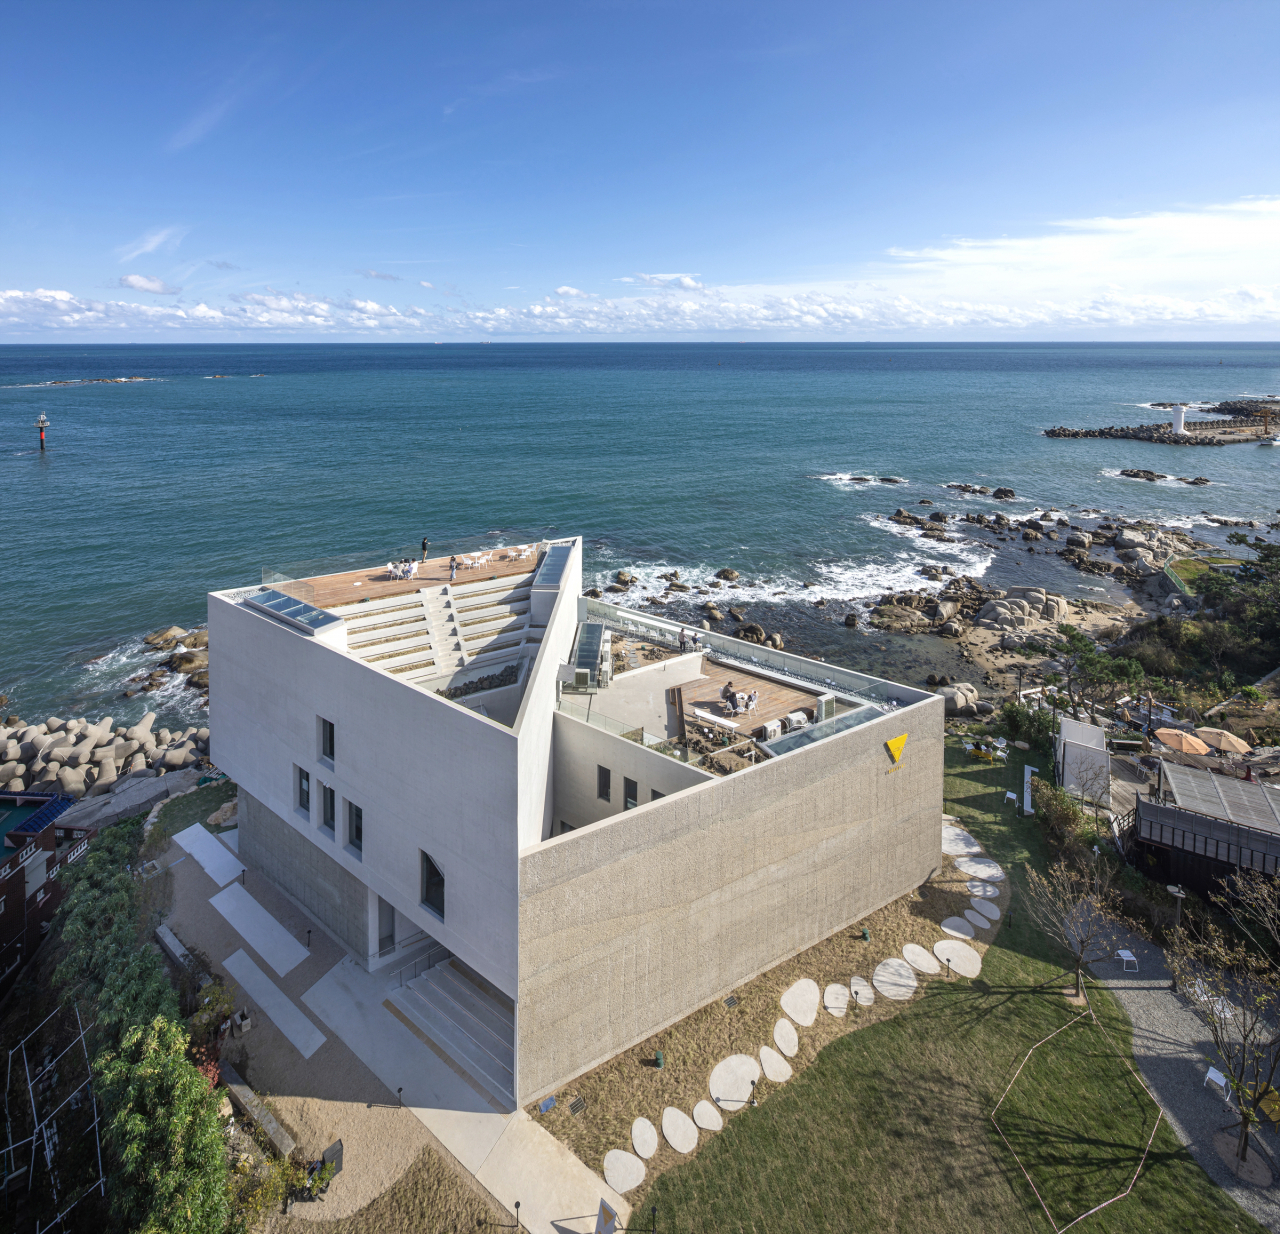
{"x": 1011, "y": 797}
{"x": 1128, "y": 958}
{"x": 1004, "y": 754}
{"x": 1001, "y": 742}
{"x": 1216, "y": 1078}
{"x": 413, "y": 569}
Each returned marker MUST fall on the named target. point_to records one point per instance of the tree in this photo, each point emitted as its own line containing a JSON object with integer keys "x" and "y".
{"x": 1235, "y": 993}
{"x": 1074, "y": 906}
{"x": 162, "y": 1126}
{"x": 1093, "y": 781}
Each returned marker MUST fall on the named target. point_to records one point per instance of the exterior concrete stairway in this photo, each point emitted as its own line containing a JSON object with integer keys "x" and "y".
{"x": 470, "y": 1020}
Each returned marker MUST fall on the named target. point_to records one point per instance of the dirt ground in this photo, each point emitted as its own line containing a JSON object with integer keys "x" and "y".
{"x": 630, "y": 1086}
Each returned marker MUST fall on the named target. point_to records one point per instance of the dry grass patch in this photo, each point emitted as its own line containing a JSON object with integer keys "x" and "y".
{"x": 431, "y": 1195}
{"x": 630, "y": 1086}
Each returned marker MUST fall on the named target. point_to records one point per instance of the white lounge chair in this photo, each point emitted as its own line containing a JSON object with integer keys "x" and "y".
{"x": 1127, "y": 958}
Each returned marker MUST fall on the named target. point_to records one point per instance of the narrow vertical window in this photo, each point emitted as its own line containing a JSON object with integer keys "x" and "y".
{"x": 604, "y": 783}
{"x": 432, "y": 886}
{"x": 304, "y": 790}
{"x": 326, "y": 739}
{"x": 355, "y": 826}
{"x": 630, "y": 793}
{"x": 328, "y": 806}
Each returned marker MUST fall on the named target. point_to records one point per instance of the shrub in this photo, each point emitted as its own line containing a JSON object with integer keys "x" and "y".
{"x": 1253, "y": 694}
{"x": 1033, "y": 726}
{"x": 1058, "y": 811}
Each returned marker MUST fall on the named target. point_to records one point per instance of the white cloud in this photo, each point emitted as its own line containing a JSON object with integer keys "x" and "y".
{"x": 144, "y": 282}
{"x": 424, "y": 283}
{"x": 203, "y": 122}
{"x": 685, "y": 282}
{"x": 378, "y": 274}
{"x": 1209, "y": 272}
{"x": 161, "y": 237}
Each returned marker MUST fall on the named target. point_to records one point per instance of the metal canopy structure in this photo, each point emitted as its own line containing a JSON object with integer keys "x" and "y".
{"x": 1237, "y": 801}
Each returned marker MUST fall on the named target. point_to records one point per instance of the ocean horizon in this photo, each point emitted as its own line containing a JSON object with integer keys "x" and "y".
{"x": 228, "y": 459}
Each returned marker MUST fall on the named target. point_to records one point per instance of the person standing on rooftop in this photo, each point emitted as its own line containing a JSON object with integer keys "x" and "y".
{"x": 453, "y": 568}
{"x": 425, "y": 545}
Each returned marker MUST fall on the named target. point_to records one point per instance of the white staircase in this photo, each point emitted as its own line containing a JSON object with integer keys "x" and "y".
{"x": 470, "y": 1020}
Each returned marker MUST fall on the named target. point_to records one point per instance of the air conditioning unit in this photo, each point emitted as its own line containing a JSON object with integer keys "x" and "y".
{"x": 773, "y": 730}
{"x": 794, "y": 720}
{"x": 581, "y": 678}
{"x": 826, "y": 707}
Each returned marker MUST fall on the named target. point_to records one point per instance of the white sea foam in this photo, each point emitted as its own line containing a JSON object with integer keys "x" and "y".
{"x": 101, "y": 682}
{"x": 1168, "y": 482}
{"x": 857, "y": 480}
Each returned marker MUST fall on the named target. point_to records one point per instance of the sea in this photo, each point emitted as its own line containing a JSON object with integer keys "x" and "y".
{"x": 214, "y": 463}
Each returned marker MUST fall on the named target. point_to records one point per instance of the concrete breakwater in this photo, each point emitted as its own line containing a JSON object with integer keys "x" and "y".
{"x": 1236, "y": 431}
{"x": 79, "y": 758}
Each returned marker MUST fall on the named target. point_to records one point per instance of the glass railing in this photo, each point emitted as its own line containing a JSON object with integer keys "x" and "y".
{"x": 619, "y": 728}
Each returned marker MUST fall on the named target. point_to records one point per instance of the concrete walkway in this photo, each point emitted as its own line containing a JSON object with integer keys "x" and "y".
{"x": 1171, "y": 1048}
{"x": 510, "y": 1155}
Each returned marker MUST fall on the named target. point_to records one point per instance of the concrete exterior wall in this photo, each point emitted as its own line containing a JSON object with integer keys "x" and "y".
{"x": 580, "y": 748}
{"x": 334, "y": 897}
{"x": 429, "y": 775}
{"x": 534, "y": 723}
{"x": 633, "y": 923}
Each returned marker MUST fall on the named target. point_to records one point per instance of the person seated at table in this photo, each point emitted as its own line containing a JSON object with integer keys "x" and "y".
{"x": 393, "y": 570}
{"x": 752, "y": 699}
{"x": 727, "y": 696}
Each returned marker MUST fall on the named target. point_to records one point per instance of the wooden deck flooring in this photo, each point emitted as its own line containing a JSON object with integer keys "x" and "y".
{"x": 326, "y": 590}
{"x": 776, "y": 699}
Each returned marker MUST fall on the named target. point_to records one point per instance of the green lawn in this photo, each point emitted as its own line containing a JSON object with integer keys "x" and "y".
{"x": 890, "y": 1129}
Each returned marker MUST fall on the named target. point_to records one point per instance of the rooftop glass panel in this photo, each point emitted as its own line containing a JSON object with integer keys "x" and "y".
{"x": 553, "y": 566}
{"x": 820, "y": 732}
{"x": 294, "y": 612}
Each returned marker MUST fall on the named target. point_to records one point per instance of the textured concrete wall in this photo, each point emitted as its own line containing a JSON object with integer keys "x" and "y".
{"x": 333, "y": 896}
{"x": 638, "y": 920}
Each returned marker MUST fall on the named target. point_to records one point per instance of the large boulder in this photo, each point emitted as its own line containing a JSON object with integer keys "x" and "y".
{"x": 1004, "y": 494}
{"x": 729, "y": 576}
{"x": 958, "y": 697}
{"x": 1080, "y": 539}
{"x": 188, "y": 661}
{"x": 171, "y": 634}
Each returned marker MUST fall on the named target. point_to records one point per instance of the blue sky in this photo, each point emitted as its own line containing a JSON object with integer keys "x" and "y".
{"x": 652, "y": 170}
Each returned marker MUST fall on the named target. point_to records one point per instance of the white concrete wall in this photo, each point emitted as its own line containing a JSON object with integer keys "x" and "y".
{"x": 429, "y": 775}
{"x": 534, "y": 722}
{"x": 580, "y": 748}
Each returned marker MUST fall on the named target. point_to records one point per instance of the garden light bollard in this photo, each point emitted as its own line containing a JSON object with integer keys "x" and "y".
{"x": 1179, "y": 895}
{"x": 400, "y": 1096}
{"x": 753, "y": 1093}
{"x": 517, "y": 1214}
{"x": 308, "y": 940}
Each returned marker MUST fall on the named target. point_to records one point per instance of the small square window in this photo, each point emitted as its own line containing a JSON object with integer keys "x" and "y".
{"x": 630, "y": 793}
{"x": 304, "y": 791}
{"x": 355, "y": 826}
{"x": 328, "y": 807}
{"x": 604, "y": 783}
{"x": 326, "y": 739}
{"x": 432, "y": 886}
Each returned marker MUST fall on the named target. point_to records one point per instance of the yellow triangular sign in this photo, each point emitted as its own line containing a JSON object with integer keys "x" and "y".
{"x": 895, "y": 747}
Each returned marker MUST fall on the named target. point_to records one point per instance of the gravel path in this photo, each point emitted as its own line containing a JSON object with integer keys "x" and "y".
{"x": 1170, "y": 1047}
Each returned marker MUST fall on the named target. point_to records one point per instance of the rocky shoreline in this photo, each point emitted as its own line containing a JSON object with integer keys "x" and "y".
{"x": 79, "y": 758}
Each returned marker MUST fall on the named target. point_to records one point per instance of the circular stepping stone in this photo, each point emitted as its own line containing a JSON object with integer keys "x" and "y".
{"x": 977, "y": 919}
{"x": 982, "y": 891}
{"x": 801, "y": 1001}
{"x": 894, "y": 979}
{"x": 986, "y": 908}
{"x": 784, "y": 1037}
{"x": 644, "y": 1138}
{"x": 776, "y": 1068}
{"x": 861, "y": 989}
{"x": 622, "y": 1171}
{"x": 707, "y": 1116}
{"x": 980, "y": 867}
{"x": 920, "y": 959}
{"x": 964, "y": 960}
{"x": 731, "y": 1081}
{"x": 679, "y": 1130}
{"x": 957, "y": 927}
{"x": 835, "y": 998}
{"x": 957, "y": 842}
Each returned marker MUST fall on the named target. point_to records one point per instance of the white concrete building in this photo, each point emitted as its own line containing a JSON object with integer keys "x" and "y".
{"x": 1082, "y": 761}
{"x": 553, "y": 829}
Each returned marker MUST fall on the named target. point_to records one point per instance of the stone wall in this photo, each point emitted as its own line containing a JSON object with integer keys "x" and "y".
{"x": 334, "y": 897}
{"x": 636, "y": 921}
